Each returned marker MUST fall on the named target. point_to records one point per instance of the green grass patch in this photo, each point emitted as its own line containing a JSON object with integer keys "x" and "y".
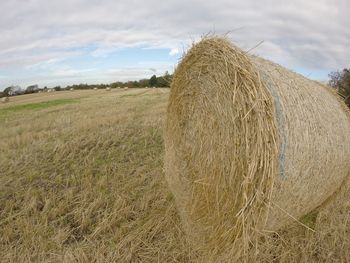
{"x": 36, "y": 106}
{"x": 310, "y": 219}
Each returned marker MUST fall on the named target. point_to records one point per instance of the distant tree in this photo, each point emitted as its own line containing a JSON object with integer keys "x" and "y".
{"x": 168, "y": 78}
{"x": 340, "y": 80}
{"x": 162, "y": 82}
{"x": 144, "y": 83}
{"x": 116, "y": 84}
{"x": 7, "y": 91}
{"x": 2, "y": 94}
{"x": 13, "y": 91}
{"x": 133, "y": 84}
{"x": 153, "y": 81}
{"x": 32, "y": 89}
{"x": 57, "y": 88}
{"x": 129, "y": 84}
{"x": 165, "y": 80}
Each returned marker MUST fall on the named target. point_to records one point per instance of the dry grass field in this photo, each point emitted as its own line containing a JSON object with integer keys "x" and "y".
{"x": 81, "y": 180}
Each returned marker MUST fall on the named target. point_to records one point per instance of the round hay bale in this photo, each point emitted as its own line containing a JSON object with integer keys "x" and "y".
{"x": 71, "y": 89}
{"x": 249, "y": 146}
{"x": 95, "y": 88}
{"x": 108, "y": 89}
{"x": 126, "y": 88}
{"x": 5, "y": 99}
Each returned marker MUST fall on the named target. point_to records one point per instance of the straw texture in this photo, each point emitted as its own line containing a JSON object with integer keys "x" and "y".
{"x": 249, "y": 146}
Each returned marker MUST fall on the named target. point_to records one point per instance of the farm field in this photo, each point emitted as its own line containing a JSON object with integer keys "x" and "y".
{"x": 82, "y": 180}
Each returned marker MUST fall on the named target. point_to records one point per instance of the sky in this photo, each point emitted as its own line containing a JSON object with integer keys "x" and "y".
{"x": 102, "y": 41}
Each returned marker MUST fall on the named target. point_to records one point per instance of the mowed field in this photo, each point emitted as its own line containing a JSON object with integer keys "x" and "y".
{"x": 82, "y": 180}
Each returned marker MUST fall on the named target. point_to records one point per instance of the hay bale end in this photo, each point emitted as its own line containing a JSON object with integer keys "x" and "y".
{"x": 249, "y": 146}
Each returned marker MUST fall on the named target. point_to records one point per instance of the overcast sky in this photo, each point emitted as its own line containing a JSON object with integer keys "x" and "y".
{"x": 51, "y": 42}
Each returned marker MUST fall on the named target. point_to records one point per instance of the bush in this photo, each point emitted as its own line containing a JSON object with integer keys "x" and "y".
{"x": 340, "y": 80}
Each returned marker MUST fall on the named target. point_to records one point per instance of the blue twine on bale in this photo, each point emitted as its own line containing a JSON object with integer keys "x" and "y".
{"x": 280, "y": 123}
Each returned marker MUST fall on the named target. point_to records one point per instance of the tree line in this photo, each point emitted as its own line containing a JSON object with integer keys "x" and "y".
{"x": 339, "y": 80}
{"x": 161, "y": 81}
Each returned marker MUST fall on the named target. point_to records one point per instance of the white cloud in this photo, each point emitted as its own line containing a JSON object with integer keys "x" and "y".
{"x": 311, "y": 34}
{"x": 71, "y": 73}
{"x": 174, "y": 51}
